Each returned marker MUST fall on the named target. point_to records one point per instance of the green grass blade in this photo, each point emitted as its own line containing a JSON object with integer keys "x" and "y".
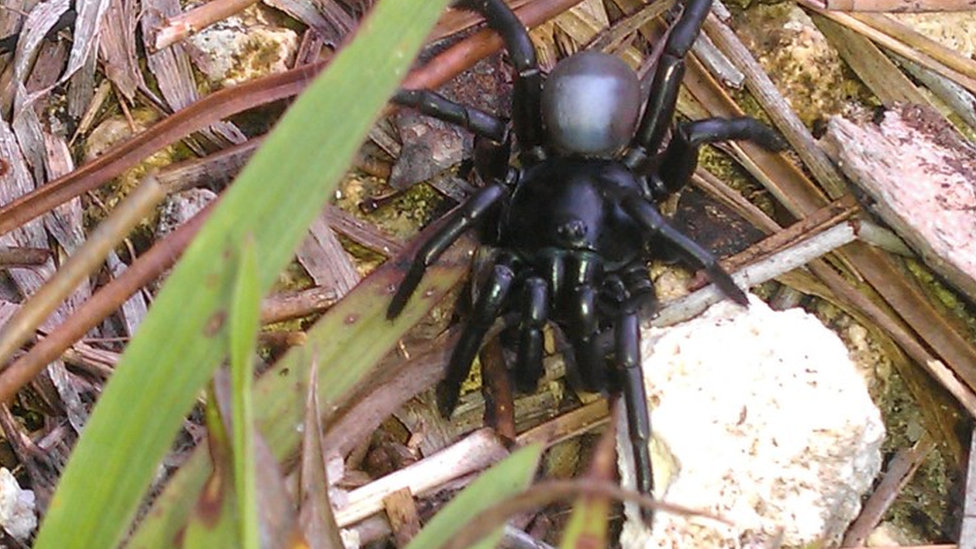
{"x": 182, "y": 339}
{"x": 588, "y": 525}
{"x": 504, "y": 480}
{"x": 348, "y": 341}
{"x": 245, "y": 321}
{"x": 213, "y": 522}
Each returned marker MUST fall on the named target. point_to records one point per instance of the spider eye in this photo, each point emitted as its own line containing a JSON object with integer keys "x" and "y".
{"x": 590, "y": 104}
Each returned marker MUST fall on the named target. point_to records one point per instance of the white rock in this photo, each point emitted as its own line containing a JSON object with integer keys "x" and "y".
{"x": 765, "y": 421}
{"x": 18, "y": 513}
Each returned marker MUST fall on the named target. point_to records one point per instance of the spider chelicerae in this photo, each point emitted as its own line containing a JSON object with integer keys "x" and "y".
{"x": 575, "y": 222}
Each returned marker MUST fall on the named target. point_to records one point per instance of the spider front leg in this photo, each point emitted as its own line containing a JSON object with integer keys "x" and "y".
{"x": 463, "y": 218}
{"x": 489, "y": 305}
{"x": 667, "y": 78}
{"x": 492, "y": 146}
{"x": 434, "y": 104}
{"x": 527, "y": 96}
{"x": 647, "y": 215}
{"x": 681, "y": 157}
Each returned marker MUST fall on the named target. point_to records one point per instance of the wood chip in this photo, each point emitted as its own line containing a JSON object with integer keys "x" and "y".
{"x": 922, "y": 179}
{"x": 117, "y": 44}
{"x": 404, "y": 518}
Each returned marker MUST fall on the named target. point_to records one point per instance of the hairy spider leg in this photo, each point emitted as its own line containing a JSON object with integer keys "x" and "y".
{"x": 534, "y": 314}
{"x": 681, "y": 156}
{"x": 527, "y": 95}
{"x": 659, "y": 108}
{"x": 490, "y": 302}
{"x": 647, "y": 215}
{"x": 582, "y": 321}
{"x": 466, "y": 216}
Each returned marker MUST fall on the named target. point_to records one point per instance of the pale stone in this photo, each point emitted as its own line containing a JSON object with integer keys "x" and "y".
{"x": 765, "y": 421}
{"x": 18, "y": 512}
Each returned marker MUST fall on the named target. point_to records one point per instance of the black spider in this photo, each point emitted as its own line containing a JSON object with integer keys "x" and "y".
{"x": 576, "y": 221}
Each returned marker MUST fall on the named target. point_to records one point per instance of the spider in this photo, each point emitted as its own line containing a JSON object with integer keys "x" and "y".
{"x": 575, "y": 222}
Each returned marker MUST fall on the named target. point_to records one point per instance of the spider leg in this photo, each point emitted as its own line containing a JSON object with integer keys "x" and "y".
{"x": 627, "y": 351}
{"x": 667, "y": 78}
{"x": 582, "y": 320}
{"x": 463, "y": 218}
{"x": 681, "y": 157}
{"x": 647, "y": 215}
{"x": 487, "y": 308}
{"x": 492, "y": 144}
{"x": 554, "y": 272}
{"x": 641, "y": 296}
{"x": 535, "y": 311}
{"x": 527, "y": 96}
{"x": 434, "y": 104}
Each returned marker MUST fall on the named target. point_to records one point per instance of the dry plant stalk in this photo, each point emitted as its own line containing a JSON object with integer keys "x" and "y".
{"x": 193, "y": 21}
{"x": 891, "y": 5}
{"x": 471, "y": 454}
{"x": 85, "y": 261}
{"x": 943, "y": 63}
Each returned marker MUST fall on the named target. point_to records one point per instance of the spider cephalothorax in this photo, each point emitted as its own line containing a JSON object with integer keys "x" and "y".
{"x": 575, "y": 223}
{"x": 576, "y": 112}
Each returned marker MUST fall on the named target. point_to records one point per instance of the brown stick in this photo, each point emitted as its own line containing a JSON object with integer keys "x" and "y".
{"x": 479, "y": 46}
{"x": 900, "y": 471}
{"x": 87, "y": 259}
{"x": 18, "y": 256}
{"x": 193, "y": 21}
{"x": 123, "y": 156}
{"x": 916, "y": 54}
{"x": 496, "y": 386}
{"x": 903, "y": 6}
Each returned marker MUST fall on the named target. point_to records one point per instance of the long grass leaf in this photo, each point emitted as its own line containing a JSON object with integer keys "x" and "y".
{"x": 504, "y": 480}
{"x": 181, "y": 341}
{"x": 245, "y": 322}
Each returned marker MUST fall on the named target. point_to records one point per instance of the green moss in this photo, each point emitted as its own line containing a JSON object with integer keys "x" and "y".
{"x": 946, "y": 296}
